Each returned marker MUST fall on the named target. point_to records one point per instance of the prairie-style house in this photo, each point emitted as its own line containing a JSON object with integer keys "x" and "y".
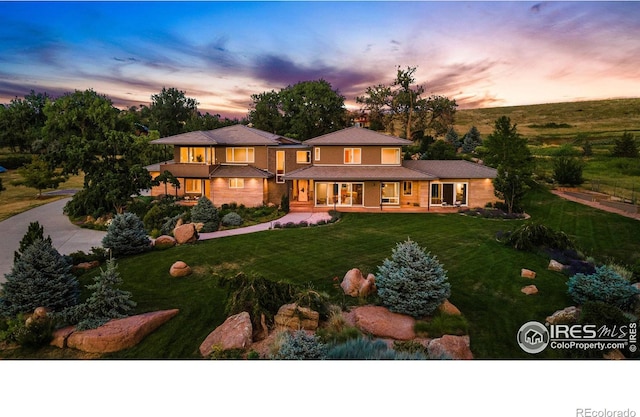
{"x": 353, "y": 169}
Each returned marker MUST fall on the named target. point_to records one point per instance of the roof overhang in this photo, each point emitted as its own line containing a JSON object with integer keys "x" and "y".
{"x": 358, "y": 173}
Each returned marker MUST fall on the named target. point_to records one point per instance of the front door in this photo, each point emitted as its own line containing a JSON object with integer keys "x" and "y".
{"x": 303, "y": 190}
{"x": 447, "y": 194}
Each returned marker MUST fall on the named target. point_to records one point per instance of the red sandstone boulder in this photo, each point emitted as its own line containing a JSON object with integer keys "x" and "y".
{"x": 179, "y": 269}
{"x": 555, "y": 266}
{"x": 381, "y": 322}
{"x": 447, "y": 308}
{"x": 60, "y": 336}
{"x": 449, "y": 346}
{"x": 164, "y": 242}
{"x": 355, "y": 285}
{"x": 527, "y": 273}
{"x": 185, "y": 233}
{"x": 119, "y": 334}
{"x": 294, "y": 317}
{"x": 566, "y": 315}
{"x": 87, "y": 265}
{"x": 529, "y": 289}
{"x": 235, "y": 333}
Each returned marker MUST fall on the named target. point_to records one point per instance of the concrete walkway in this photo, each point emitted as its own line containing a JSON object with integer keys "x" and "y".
{"x": 68, "y": 238}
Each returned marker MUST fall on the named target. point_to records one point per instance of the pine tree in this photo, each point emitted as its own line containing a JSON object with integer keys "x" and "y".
{"x": 106, "y": 301}
{"x": 126, "y": 235}
{"x": 412, "y": 282}
{"x": 41, "y": 277}
{"x": 453, "y": 138}
{"x": 471, "y": 140}
{"x": 34, "y": 232}
{"x": 625, "y": 146}
{"x": 205, "y": 212}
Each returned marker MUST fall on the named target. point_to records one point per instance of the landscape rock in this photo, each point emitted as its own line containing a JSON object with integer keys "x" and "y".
{"x": 529, "y": 289}
{"x": 185, "y": 233}
{"x": 564, "y": 316}
{"x": 60, "y": 336}
{"x": 119, "y": 334}
{"x": 40, "y": 312}
{"x": 235, "y": 333}
{"x": 614, "y": 355}
{"x": 527, "y": 273}
{"x": 381, "y": 322}
{"x": 555, "y": 266}
{"x": 294, "y": 317}
{"x": 447, "y": 308}
{"x": 87, "y": 265}
{"x": 164, "y": 241}
{"x": 355, "y": 285}
{"x": 449, "y": 346}
{"x": 179, "y": 269}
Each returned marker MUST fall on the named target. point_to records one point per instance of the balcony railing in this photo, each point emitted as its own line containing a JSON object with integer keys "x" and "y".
{"x": 190, "y": 170}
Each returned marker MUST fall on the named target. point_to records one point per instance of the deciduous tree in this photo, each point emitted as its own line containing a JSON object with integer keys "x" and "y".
{"x": 170, "y": 110}
{"x": 39, "y": 175}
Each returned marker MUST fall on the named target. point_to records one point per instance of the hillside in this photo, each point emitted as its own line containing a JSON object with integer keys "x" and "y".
{"x": 556, "y": 122}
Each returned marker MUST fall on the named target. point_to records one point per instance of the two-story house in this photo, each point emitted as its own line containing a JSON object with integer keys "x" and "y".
{"x": 351, "y": 169}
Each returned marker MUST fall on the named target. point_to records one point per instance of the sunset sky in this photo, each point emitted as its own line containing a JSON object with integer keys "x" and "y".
{"x": 482, "y": 54}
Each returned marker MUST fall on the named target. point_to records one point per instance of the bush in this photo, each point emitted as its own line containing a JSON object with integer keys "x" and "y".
{"x": 14, "y": 161}
{"x": 126, "y": 236}
{"x": 106, "y": 301}
{"x": 256, "y": 295}
{"x": 568, "y": 171}
{"x": 300, "y": 345}
{"x": 284, "y": 203}
{"x": 625, "y": 146}
{"x": 231, "y": 219}
{"x": 605, "y": 286}
{"x": 205, "y": 212}
{"x": 32, "y": 332}
{"x": 365, "y": 348}
{"x": 40, "y": 278}
{"x": 531, "y": 236}
{"x": 412, "y": 282}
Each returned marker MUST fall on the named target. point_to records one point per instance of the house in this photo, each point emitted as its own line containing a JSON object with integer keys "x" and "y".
{"x": 353, "y": 169}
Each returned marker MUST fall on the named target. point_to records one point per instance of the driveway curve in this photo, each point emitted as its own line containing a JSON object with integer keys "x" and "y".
{"x": 65, "y": 236}
{"x": 68, "y": 238}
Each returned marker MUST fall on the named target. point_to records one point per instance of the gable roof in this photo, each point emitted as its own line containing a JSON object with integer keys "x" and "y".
{"x": 357, "y": 136}
{"x": 451, "y": 168}
{"x": 234, "y": 135}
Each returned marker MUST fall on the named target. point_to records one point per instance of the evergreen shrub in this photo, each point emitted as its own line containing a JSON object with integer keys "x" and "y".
{"x": 41, "y": 277}
{"x": 299, "y": 345}
{"x": 604, "y": 285}
{"x": 205, "y": 212}
{"x": 126, "y": 235}
{"x": 232, "y": 219}
{"x": 412, "y": 282}
{"x": 365, "y": 348}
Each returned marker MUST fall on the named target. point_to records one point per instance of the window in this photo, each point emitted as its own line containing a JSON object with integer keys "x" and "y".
{"x": 436, "y": 194}
{"x": 303, "y": 157}
{"x": 449, "y": 194}
{"x": 390, "y": 193}
{"x": 236, "y": 182}
{"x": 317, "y": 153}
{"x": 189, "y": 155}
{"x": 390, "y": 156}
{"x": 240, "y": 155}
{"x": 340, "y": 194}
{"x": 352, "y": 155}
{"x": 407, "y": 188}
{"x": 280, "y": 167}
{"x": 193, "y": 186}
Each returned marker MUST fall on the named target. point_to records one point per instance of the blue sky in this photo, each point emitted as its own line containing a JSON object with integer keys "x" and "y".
{"x": 483, "y": 54}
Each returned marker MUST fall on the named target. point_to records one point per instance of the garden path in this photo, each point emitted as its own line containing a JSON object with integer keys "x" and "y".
{"x": 596, "y": 204}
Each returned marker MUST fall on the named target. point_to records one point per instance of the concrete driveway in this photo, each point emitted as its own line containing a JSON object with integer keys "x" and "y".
{"x": 66, "y": 237}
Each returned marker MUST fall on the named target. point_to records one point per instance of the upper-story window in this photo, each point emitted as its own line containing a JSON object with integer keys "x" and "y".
{"x": 190, "y": 154}
{"x": 352, "y": 155}
{"x": 317, "y": 154}
{"x": 390, "y": 156}
{"x": 303, "y": 157}
{"x": 241, "y": 155}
